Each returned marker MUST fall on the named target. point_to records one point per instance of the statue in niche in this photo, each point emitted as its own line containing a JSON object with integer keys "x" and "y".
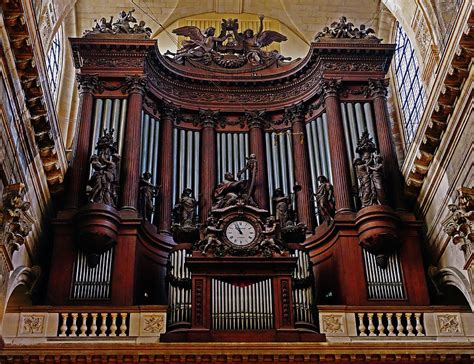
{"x": 103, "y": 184}
{"x": 230, "y": 49}
{"x": 232, "y": 191}
{"x": 184, "y": 212}
{"x": 268, "y": 245}
{"x": 282, "y": 206}
{"x": 369, "y": 171}
{"x": 147, "y": 191}
{"x": 325, "y": 199}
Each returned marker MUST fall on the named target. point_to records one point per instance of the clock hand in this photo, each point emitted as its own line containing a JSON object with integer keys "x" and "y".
{"x": 238, "y": 229}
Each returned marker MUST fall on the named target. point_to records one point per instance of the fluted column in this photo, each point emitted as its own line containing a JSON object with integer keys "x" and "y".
{"x": 165, "y": 195}
{"x": 304, "y": 203}
{"x": 257, "y": 147}
{"x": 208, "y": 168}
{"x": 130, "y": 165}
{"x": 79, "y": 174}
{"x": 337, "y": 147}
{"x": 393, "y": 182}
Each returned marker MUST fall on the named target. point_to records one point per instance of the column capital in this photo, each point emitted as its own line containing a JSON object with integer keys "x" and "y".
{"x": 330, "y": 87}
{"x": 208, "y": 118}
{"x": 170, "y": 111}
{"x": 89, "y": 84}
{"x": 378, "y": 87}
{"x": 294, "y": 113}
{"x": 254, "y": 119}
{"x": 135, "y": 84}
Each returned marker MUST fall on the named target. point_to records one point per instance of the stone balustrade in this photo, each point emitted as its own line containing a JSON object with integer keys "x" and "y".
{"x": 42, "y": 324}
{"x": 343, "y": 323}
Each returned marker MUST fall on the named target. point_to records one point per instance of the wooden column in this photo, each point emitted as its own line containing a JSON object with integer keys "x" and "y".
{"x": 337, "y": 147}
{"x": 79, "y": 173}
{"x": 208, "y": 168}
{"x": 165, "y": 196}
{"x": 130, "y": 164}
{"x": 257, "y": 147}
{"x": 304, "y": 203}
{"x": 393, "y": 183}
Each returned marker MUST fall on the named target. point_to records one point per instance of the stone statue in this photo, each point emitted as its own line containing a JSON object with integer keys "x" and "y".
{"x": 325, "y": 199}
{"x": 103, "y": 184}
{"x": 184, "y": 212}
{"x": 147, "y": 191}
{"x": 16, "y": 222}
{"x": 369, "y": 171}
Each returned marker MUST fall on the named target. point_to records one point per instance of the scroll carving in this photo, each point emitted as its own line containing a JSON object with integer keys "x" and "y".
{"x": 16, "y": 221}
{"x": 343, "y": 29}
{"x": 126, "y": 24}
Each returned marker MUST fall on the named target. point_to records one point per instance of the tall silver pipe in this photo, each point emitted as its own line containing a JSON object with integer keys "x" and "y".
{"x": 230, "y": 162}
{"x": 312, "y": 164}
{"x": 370, "y": 121}
{"x": 283, "y": 163}
{"x": 115, "y": 124}
{"x": 225, "y": 167}
{"x": 321, "y": 142}
{"x": 151, "y": 143}
{"x": 235, "y": 148}
{"x": 106, "y": 116}
{"x": 144, "y": 144}
{"x": 361, "y": 122}
{"x": 175, "y": 164}
{"x": 196, "y": 163}
{"x": 182, "y": 161}
{"x": 97, "y": 121}
{"x": 276, "y": 159}
{"x": 155, "y": 153}
{"x": 268, "y": 148}
{"x": 289, "y": 150}
{"x": 326, "y": 147}
{"x": 241, "y": 150}
{"x": 189, "y": 158}
{"x": 123, "y": 118}
{"x": 220, "y": 172}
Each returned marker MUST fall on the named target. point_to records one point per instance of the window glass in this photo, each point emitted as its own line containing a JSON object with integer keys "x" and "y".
{"x": 411, "y": 93}
{"x": 53, "y": 63}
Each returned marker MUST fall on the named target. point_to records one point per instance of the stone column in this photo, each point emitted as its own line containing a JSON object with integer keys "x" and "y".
{"x": 79, "y": 173}
{"x": 208, "y": 167}
{"x": 130, "y": 164}
{"x": 392, "y": 176}
{"x": 337, "y": 146}
{"x": 304, "y": 203}
{"x": 165, "y": 195}
{"x": 257, "y": 146}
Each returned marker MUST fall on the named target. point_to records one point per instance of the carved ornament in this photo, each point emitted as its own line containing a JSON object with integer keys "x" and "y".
{"x": 378, "y": 87}
{"x": 449, "y": 324}
{"x": 343, "y": 29}
{"x": 294, "y": 113}
{"x": 152, "y": 324}
{"x": 135, "y": 84}
{"x": 330, "y": 87}
{"x": 255, "y": 119}
{"x": 126, "y": 24}
{"x": 333, "y": 324}
{"x": 209, "y": 118}
{"x": 90, "y": 84}
{"x": 230, "y": 49}
{"x": 32, "y": 324}
{"x": 15, "y": 219}
{"x": 460, "y": 224}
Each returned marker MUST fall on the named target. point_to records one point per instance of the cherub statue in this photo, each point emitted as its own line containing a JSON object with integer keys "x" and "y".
{"x": 199, "y": 46}
{"x": 268, "y": 244}
{"x": 253, "y": 43}
{"x": 210, "y": 237}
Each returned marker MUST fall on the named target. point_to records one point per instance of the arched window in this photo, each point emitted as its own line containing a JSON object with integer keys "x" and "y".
{"x": 53, "y": 63}
{"x": 411, "y": 94}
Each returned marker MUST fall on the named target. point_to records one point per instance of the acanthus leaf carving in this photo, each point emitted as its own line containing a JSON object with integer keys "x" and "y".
{"x": 89, "y": 83}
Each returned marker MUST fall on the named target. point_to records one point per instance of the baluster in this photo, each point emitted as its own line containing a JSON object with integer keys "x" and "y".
{"x": 74, "y": 324}
{"x": 93, "y": 325}
{"x": 399, "y": 324}
{"x": 113, "y": 326}
{"x": 418, "y": 326}
{"x": 361, "y": 324}
{"x": 83, "y": 327}
{"x": 390, "y": 327}
{"x": 380, "y": 327}
{"x": 409, "y": 325}
{"x": 371, "y": 327}
{"x": 103, "y": 325}
{"x": 123, "y": 325}
{"x": 63, "y": 327}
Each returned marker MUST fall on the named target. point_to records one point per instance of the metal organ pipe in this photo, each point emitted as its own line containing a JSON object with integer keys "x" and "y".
{"x": 303, "y": 293}
{"x": 232, "y": 148}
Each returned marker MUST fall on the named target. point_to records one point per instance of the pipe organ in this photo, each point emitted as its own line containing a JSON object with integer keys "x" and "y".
{"x": 312, "y": 139}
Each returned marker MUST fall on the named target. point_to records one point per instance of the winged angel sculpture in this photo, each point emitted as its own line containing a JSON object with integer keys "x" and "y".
{"x": 230, "y": 49}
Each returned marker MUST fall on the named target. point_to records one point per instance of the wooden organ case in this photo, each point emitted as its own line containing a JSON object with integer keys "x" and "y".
{"x": 221, "y": 181}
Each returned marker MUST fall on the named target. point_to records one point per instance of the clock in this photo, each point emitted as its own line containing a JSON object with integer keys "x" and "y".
{"x": 240, "y": 233}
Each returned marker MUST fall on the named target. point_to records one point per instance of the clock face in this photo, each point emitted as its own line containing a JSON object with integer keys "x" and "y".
{"x": 240, "y": 232}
